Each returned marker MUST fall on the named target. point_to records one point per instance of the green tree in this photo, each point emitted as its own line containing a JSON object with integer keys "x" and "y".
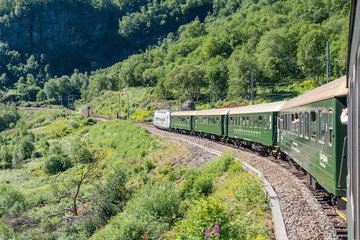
{"x": 188, "y": 79}
{"x": 240, "y": 65}
{"x": 311, "y": 46}
{"x": 217, "y": 75}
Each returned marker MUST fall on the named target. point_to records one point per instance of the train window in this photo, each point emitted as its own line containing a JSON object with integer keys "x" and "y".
{"x": 264, "y": 122}
{"x": 256, "y": 121}
{"x": 322, "y": 127}
{"x": 260, "y": 122}
{"x": 301, "y": 124}
{"x": 296, "y": 123}
{"x": 270, "y": 122}
{"x": 236, "y": 121}
{"x": 251, "y": 121}
{"x": 313, "y": 125}
{"x": 230, "y": 122}
{"x": 285, "y": 122}
{"x": 247, "y": 121}
{"x": 289, "y": 123}
{"x": 292, "y": 123}
{"x": 331, "y": 127}
{"x": 306, "y": 125}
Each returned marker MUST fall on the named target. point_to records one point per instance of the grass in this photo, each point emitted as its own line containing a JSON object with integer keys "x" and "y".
{"x": 140, "y": 185}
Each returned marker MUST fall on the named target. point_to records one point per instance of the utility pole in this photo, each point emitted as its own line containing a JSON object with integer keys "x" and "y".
{"x": 252, "y": 88}
{"x": 165, "y": 101}
{"x": 128, "y": 114}
{"x": 87, "y": 105}
{"x": 328, "y": 75}
{"x": 119, "y": 106}
{"x": 177, "y": 96}
{"x": 210, "y": 96}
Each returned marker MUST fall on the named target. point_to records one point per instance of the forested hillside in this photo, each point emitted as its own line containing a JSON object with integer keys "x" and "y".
{"x": 188, "y": 47}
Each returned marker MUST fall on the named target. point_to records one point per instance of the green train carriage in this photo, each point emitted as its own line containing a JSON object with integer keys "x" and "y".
{"x": 211, "y": 123}
{"x": 254, "y": 125}
{"x": 312, "y": 135}
{"x": 182, "y": 121}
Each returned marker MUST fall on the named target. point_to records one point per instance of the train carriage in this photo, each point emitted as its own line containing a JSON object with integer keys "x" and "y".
{"x": 254, "y": 125}
{"x": 182, "y": 121}
{"x": 312, "y": 135}
{"x": 162, "y": 118}
{"x": 211, "y": 123}
{"x": 353, "y": 66}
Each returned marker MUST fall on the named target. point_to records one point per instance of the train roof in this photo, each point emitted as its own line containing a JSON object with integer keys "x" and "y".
{"x": 259, "y": 108}
{"x": 332, "y": 89}
{"x": 212, "y": 112}
{"x": 164, "y": 110}
{"x": 183, "y": 113}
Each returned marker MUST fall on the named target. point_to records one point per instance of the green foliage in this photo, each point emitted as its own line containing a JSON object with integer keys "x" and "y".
{"x": 151, "y": 213}
{"x": 80, "y": 152}
{"x": 203, "y": 215}
{"x": 8, "y": 114}
{"x": 23, "y": 150}
{"x": 56, "y": 160}
{"x": 12, "y": 201}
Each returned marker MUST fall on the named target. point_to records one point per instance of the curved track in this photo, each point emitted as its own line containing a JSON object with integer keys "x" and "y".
{"x": 304, "y": 217}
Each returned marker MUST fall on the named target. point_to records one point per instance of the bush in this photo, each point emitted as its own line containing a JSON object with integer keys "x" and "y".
{"x": 80, "y": 152}
{"x": 151, "y": 213}
{"x": 12, "y": 201}
{"x": 205, "y": 214}
{"x": 8, "y": 114}
{"x": 23, "y": 150}
{"x": 112, "y": 196}
{"x": 56, "y": 163}
{"x": 6, "y": 155}
{"x": 204, "y": 185}
{"x": 56, "y": 160}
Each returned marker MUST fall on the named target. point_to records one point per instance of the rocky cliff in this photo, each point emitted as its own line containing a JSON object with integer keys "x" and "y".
{"x": 46, "y": 27}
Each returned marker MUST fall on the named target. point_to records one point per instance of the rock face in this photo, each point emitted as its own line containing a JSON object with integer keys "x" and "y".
{"x": 44, "y": 28}
{"x": 187, "y": 105}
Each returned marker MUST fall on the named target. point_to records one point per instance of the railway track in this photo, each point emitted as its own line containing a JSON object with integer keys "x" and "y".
{"x": 308, "y": 213}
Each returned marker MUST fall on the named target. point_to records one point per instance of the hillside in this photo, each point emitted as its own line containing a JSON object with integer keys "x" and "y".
{"x": 65, "y": 177}
{"x": 188, "y": 47}
{"x": 52, "y": 38}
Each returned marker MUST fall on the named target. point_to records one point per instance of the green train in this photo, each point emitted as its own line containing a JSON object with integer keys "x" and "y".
{"x": 306, "y": 130}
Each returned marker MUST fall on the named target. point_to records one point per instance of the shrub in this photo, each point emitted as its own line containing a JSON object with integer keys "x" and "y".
{"x": 149, "y": 165}
{"x": 6, "y": 155}
{"x": 56, "y": 160}
{"x": 23, "y": 150}
{"x": 151, "y": 213}
{"x": 56, "y": 163}
{"x": 8, "y": 114}
{"x": 112, "y": 195}
{"x": 203, "y": 185}
{"x": 203, "y": 215}
{"x": 80, "y": 152}
{"x": 12, "y": 201}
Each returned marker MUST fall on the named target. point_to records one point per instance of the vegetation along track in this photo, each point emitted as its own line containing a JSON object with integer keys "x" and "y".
{"x": 304, "y": 216}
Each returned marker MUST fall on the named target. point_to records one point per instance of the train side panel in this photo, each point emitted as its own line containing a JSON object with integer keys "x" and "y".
{"x": 181, "y": 122}
{"x": 313, "y": 137}
{"x": 254, "y": 127}
{"x": 209, "y": 124}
